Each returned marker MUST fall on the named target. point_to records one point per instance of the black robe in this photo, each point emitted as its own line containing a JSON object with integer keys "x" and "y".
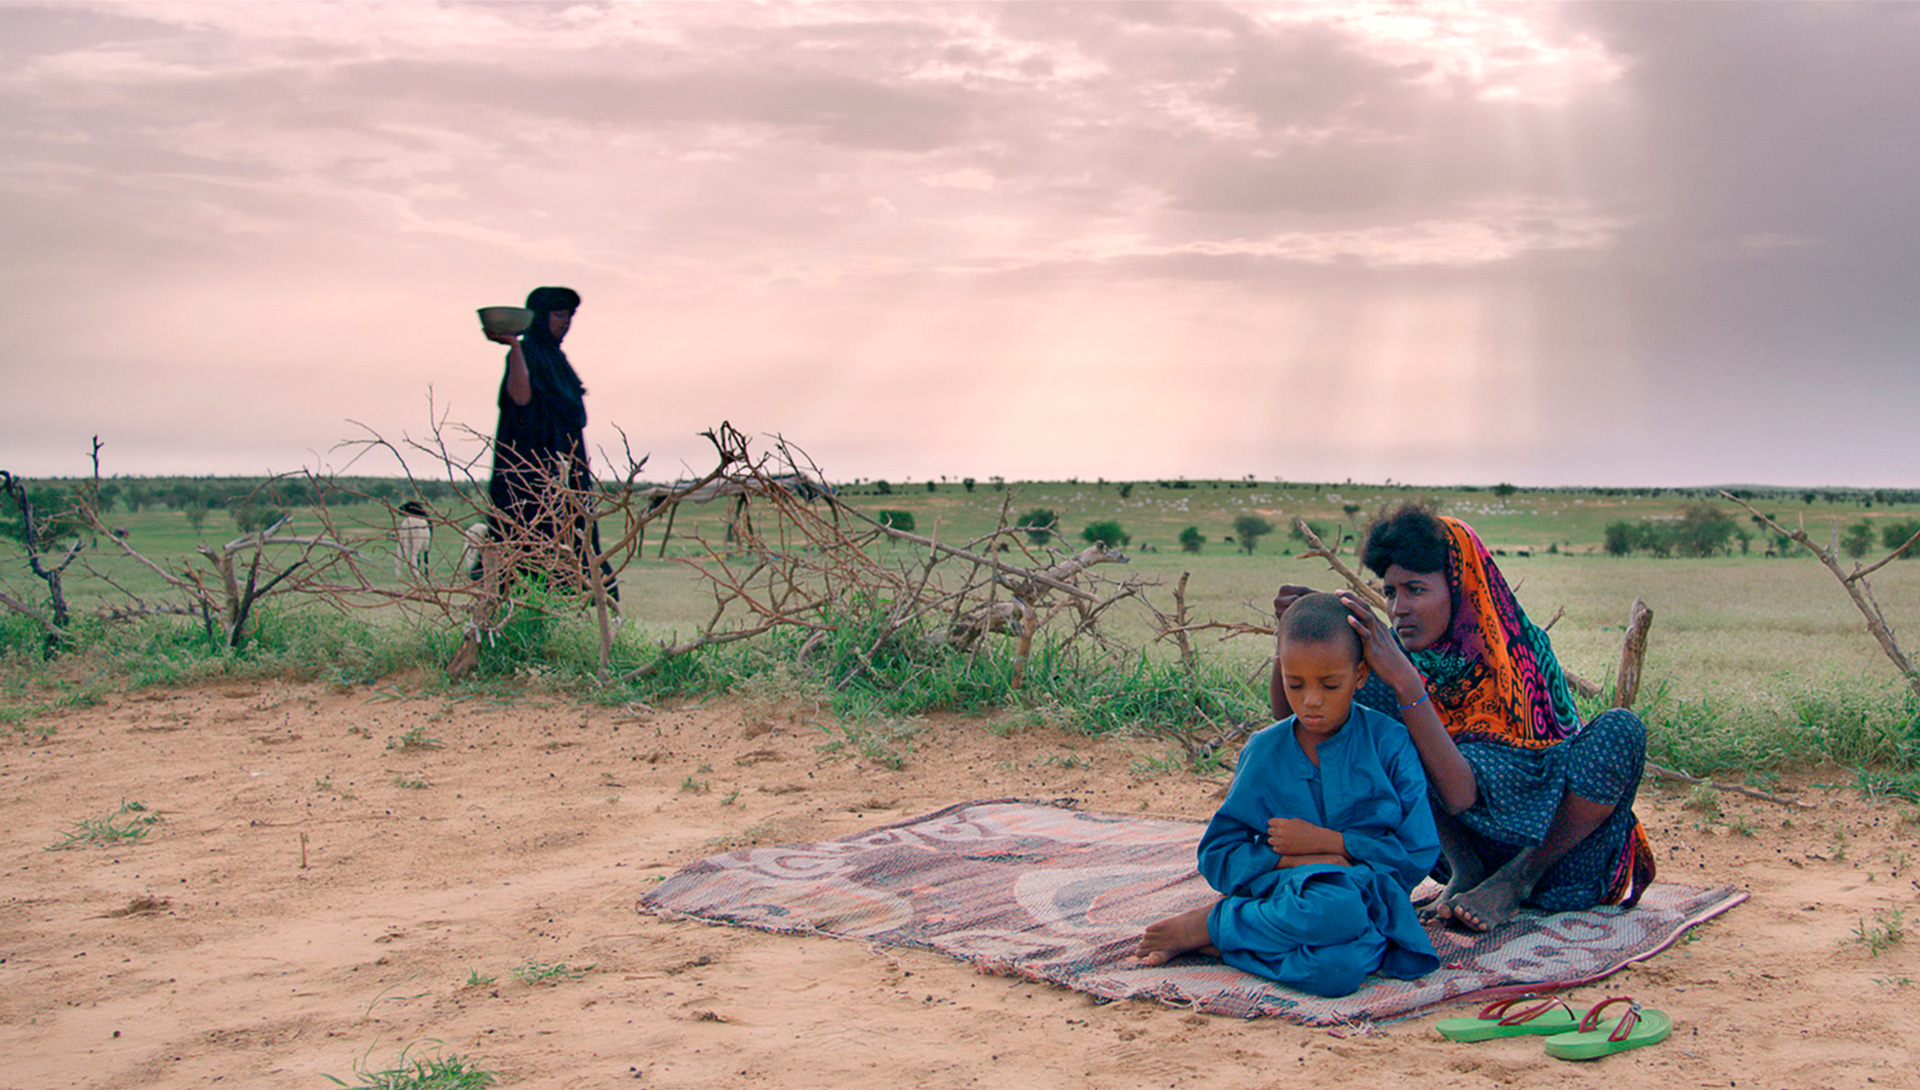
{"x": 538, "y": 443}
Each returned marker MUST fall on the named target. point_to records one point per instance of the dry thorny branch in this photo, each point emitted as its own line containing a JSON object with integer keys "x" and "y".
{"x": 797, "y": 558}
{"x": 1856, "y": 585}
{"x": 789, "y": 560}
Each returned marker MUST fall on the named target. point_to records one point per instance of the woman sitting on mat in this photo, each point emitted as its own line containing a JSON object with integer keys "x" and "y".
{"x": 1532, "y": 808}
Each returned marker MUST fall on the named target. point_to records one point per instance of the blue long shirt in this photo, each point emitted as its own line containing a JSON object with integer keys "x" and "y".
{"x": 1373, "y": 791}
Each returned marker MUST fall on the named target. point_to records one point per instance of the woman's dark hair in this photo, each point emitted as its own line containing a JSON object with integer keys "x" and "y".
{"x": 544, "y": 301}
{"x": 1409, "y": 535}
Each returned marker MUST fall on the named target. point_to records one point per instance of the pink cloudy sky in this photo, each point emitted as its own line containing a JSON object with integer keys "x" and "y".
{"x": 1547, "y": 244}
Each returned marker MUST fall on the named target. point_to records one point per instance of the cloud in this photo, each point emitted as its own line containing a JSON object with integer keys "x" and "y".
{"x": 1042, "y": 217}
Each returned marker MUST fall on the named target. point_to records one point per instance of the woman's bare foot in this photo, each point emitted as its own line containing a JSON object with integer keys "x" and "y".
{"x": 1464, "y": 866}
{"x": 1484, "y": 907}
{"x": 1464, "y": 881}
{"x": 1167, "y": 939}
{"x": 1497, "y": 899}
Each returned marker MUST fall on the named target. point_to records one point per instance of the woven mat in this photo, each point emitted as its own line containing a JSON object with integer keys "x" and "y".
{"x": 1049, "y": 893}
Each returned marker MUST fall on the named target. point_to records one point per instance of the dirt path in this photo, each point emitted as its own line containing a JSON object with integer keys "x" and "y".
{"x": 207, "y": 954}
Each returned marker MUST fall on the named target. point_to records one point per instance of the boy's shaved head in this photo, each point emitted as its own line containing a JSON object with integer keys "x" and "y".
{"x": 1320, "y": 618}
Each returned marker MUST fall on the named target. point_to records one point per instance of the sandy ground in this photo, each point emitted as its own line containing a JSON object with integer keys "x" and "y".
{"x": 314, "y": 898}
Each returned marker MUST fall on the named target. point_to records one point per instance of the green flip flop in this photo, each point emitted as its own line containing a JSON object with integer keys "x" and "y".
{"x": 1500, "y": 1019}
{"x": 1637, "y": 1027}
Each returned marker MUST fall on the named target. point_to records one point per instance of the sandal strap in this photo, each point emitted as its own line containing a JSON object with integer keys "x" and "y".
{"x": 1628, "y": 1018}
{"x": 1502, "y": 1009}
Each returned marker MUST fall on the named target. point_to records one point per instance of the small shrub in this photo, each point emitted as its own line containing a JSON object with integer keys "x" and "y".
{"x": 1249, "y": 529}
{"x": 1897, "y": 533}
{"x": 1105, "y": 532}
{"x": 898, "y": 520}
{"x": 1191, "y": 539}
{"x": 1040, "y": 524}
{"x": 251, "y": 518}
{"x": 1857, "y": 539}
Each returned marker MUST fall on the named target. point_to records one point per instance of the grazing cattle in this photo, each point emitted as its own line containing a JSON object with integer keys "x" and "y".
{"x": 412, "y": 539}
{"x": 476, "y": 537}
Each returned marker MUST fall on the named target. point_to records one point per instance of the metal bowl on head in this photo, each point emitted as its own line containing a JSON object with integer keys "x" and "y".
{"x": 505, "y": 321}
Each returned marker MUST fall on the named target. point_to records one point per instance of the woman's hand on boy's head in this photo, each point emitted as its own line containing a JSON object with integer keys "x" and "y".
{"x": 1382, "y": 651}
{"x": 1288, "y": 594}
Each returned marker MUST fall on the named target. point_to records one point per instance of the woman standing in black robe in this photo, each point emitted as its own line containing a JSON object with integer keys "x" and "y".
{"x": 542, "y": 482}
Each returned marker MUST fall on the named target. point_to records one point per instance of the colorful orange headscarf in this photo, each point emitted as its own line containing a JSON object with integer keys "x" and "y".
{"x": 1494, "y": 678}
{"x": 1493, "y": 675}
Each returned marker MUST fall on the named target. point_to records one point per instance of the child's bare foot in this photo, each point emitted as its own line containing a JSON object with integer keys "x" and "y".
{"x": 1169, "y": 938}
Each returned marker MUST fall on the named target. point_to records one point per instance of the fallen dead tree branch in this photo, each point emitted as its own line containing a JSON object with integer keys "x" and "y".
{"x": 1738, "y": 789}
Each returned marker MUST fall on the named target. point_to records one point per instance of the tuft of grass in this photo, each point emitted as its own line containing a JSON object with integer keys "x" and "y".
{"x": 475, "y": 980}
{"x": 1888, "y": 930}
{"x": 129, "y": 823}
{"x": 415, "y": 740}
{"x": 437, "y": 1073}
{"x": 535, "y": 972}
{"x": 695, "y": 787}
{"x": 1146, "y": 768}
{"x": 1876, "y": 785}
{"x": 749, "y": 837}
{"x": 886, "y": 742}
{"x": 1703, "y": 800}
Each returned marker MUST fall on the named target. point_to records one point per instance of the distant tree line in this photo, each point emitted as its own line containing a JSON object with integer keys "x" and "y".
{"x": 1701, "y": 530}
{"x": 252, "y": 503}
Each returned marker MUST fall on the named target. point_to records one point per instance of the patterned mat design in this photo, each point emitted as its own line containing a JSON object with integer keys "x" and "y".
{"x": 1051, "y": 893}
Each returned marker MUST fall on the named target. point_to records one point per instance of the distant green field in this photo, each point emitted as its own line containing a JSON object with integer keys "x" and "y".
{"x": 1734, "y": 625}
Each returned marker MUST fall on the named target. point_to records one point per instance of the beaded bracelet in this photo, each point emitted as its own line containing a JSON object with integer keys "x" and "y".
{"x": 1415, "y": 704}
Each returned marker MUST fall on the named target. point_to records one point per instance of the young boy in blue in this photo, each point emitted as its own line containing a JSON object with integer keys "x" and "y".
{"x": 1323, "y": 835}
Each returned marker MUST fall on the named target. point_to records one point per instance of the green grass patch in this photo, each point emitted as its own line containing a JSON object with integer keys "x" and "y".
{"x": 126, "y": 825}
{"x": 1886, "y": 930}
{"x": 1854, "y": 723}
{"x": 436, "y": 1073}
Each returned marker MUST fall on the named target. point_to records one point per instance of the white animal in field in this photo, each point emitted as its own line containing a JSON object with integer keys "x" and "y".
{"x": 476, "y": 538}
{"x": 412, "y": 540}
